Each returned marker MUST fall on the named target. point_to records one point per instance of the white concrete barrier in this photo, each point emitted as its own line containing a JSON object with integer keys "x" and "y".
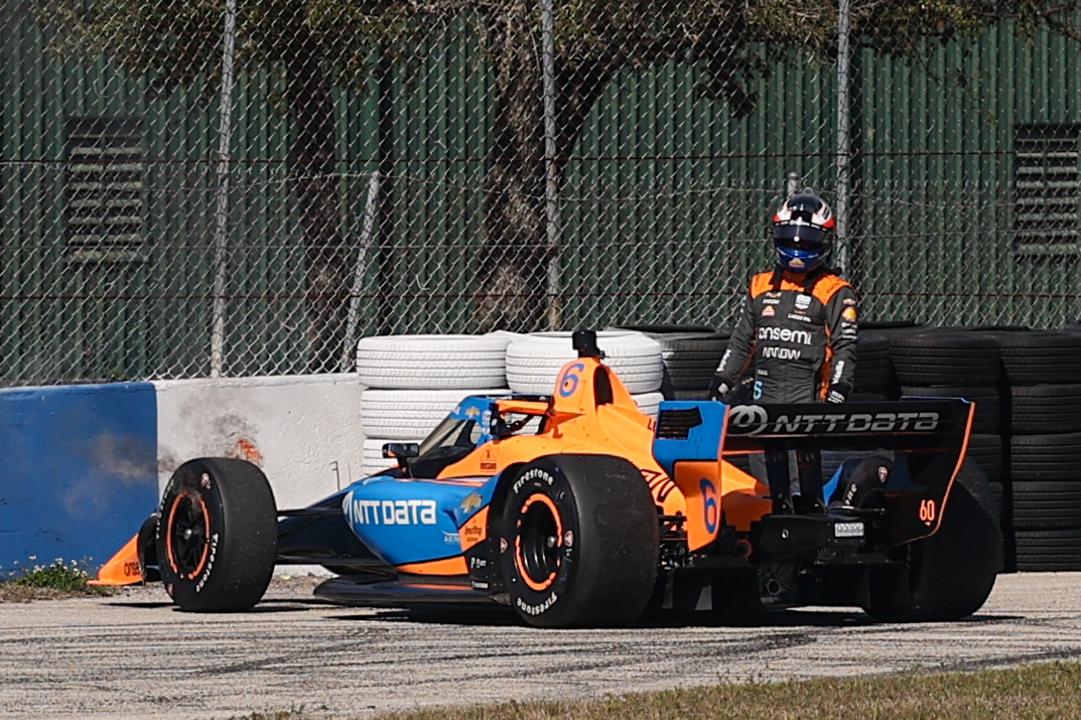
{"x": 302, "y": 430}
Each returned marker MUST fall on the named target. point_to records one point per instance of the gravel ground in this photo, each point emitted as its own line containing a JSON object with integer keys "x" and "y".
{"x": 133, "y": 656}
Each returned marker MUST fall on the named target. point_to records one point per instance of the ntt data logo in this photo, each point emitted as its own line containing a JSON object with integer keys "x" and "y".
{"x": 755, "y": 420}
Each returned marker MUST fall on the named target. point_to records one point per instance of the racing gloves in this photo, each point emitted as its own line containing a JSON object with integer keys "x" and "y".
{"x": 837, "y": 393}
{"x": 719, "y": 387}
{"x": 731, "y": 392}
{"x": 726, "y": 390}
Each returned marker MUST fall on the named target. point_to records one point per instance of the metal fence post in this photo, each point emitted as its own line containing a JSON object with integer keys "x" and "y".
{"x": 843, "y": 126}
{"x": 359, "y": 272}
{"x": 221, "y": 213}
{"x": 551, "y": 189}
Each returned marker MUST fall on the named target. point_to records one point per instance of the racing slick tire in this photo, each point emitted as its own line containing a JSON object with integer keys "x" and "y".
{"x": 218, "y": 535}
{"x": 581, "y": 541}
{"x": 948, "y": 575}
{"x": 432, "y": 362}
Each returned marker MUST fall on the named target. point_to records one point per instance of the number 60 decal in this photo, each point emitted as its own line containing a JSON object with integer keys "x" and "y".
{"x": 928, "y": 511}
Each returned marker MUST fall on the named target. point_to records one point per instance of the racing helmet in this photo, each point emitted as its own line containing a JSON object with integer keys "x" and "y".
{"x": 802, "y": 232}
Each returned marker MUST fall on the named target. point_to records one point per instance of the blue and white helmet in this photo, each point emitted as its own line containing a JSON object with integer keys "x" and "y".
{"x": 802, "y": 232}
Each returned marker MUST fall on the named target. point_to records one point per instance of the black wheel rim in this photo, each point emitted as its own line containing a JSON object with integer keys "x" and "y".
{"x": 538, "y": 542}
{"x": 188, "y": 533}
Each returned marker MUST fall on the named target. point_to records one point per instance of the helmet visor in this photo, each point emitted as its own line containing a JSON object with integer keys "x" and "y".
{"x": 800, "y": 236}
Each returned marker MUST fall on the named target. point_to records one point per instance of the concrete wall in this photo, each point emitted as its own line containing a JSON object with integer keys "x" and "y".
{"x": 82, "y": 466}
{"x": 303, "y": 431}
{"x": 78, "y": 469}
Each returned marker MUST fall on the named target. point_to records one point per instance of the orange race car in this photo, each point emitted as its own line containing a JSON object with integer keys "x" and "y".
{"x": 577, "y": 509}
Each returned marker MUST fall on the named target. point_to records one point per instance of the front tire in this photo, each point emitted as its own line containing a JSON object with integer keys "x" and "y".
{"x": 579, "y": 541}
{"x": 217, "y": 535}
{"x": 949, "y": 575}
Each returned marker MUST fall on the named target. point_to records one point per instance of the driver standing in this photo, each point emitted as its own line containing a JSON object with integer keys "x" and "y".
{"x": 797, "y": 334}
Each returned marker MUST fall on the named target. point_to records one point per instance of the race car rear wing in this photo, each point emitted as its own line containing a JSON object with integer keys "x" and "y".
{"x": 909, "y": 425}
{"x": 931, "y": 434}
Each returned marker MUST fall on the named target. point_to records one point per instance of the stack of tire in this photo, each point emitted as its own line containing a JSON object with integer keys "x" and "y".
{"x": 690, "y": 362}
{"x": 413, "y": 381}
{"x": 1042, "y": 386}
{"x": 950, "y": 363}
{"x": 533, "y": 361}
{"x": 874, "y": 371}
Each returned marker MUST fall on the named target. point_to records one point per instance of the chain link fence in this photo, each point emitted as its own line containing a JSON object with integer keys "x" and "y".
{"x": 244, "y": 187}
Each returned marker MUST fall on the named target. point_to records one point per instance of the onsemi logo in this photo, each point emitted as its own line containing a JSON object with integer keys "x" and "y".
{"x": 389, "y": 512}
{"x": 778, "y": 334}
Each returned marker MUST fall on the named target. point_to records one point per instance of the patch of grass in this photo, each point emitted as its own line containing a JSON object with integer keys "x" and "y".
{"x": 58, "y": 579}
{"x": 1046, "y": 690}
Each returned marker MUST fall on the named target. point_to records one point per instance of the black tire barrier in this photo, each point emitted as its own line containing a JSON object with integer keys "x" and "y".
{"x": 887, "y": 324}
{"x": 874, "y": 371}
{"x": 665, "y": 328}
{"x": 932, "y": 357}
{"x": 1047, "y": 504}
{"x": 691, "y": 359}
{"x": 1039, "y": 356}
{"x": 1039, "y": 409}
{"x": 1048, "y": 550}
{"x": 986, "y": 399}
{"x": 867, "y": 396}
{"x": 1045, "y": 457}
{"x": 986, "y": 450}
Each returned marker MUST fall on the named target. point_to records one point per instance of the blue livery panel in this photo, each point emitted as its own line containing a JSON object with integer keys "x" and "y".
{"x": 412, "y": 521}
{"x": 702, "y": 440}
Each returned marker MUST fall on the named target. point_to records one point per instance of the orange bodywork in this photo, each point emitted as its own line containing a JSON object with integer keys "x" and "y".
{"x": 591, "y": 412}
{"x": 123, "y": 568}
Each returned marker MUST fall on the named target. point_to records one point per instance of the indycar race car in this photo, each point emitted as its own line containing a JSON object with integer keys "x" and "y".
{"x": 577, "y": 509}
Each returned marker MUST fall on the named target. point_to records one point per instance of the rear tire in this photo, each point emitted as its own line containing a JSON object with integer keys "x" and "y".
{"x": 949, "y": 575}
{"x": 217, "y": 537}
{"x": 581, "y": 541}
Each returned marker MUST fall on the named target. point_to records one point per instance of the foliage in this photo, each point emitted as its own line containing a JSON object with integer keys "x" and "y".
{"x": 177, "y": 42}
{"x": 55, "y": 579}
{"x": 1046, "y": 690}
